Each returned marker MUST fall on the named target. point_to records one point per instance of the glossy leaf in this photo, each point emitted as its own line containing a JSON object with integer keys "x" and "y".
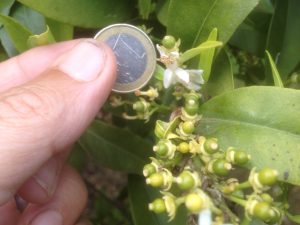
{"x": 264, "y": 121}
{"x": 18, "y": 33}
{"x": 145, "y": 8}
{"x": 221, "y": 79}
{"x": 207, "y": 56}
{"x": 284, "y": 35}
{"x": 140, "y": 196}
{"x": 82, "y": 13}
{"x": 29, "y": 18}
{"x": 199, "y": 17}
{"x": 115, "y": 147}
{"x": 193, "y": 52}
{"x": 162, "y": 10}
{"x": 60, "y": 31}
{"x": 7, "y": 43}
{"x": 41, "y": 39}
{"x": 5, "y": 6}
{"x": 275, "y": 73}
{"x": 293, "y": 218}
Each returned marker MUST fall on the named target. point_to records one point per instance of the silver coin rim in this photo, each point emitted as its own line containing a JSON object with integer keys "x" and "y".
{"x": 150, "y": 67}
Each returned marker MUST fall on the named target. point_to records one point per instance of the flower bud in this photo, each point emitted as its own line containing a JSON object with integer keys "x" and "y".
{"x": 183, "y": 147}
{"x": 187, "y": 180}
{"x": 266, "y": 198}
{"x": 158, "y": 206}
{"x": 237, "y": 157}
{"x": 149, "y": 169}
{"x": 219, "y": 167}
{"x": 152, "y": 93}
{"x": 211, "y": 145}
{"x": 168, "y": 42}
{"x": 268, "y": 176}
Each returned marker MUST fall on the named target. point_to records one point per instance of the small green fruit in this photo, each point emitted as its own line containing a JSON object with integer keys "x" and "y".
{"x": 148, "y": 170}
{"x": 188, "y": 127}
{"x": 262, "y": 211}
{"x": 221, "y": 167}
{"x": 268, "y": 176}
{"x": 183, "y": 147}
{"x": 161, "y": 149}
{"x": 139, "y": 107}
{"x": 168, "y": 42}
{"x": 158, "y": 206}
{"x": 194, "y": 202}
{"x": 155, "y": 180}
{"x": 211, "y": 145}
{"x": 186, "y": 180}
{"x": 241, "y": 158}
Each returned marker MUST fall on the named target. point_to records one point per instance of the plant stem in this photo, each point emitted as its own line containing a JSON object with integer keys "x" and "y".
{"x": 243, "y": 185}
{"x": 236, "y": 200}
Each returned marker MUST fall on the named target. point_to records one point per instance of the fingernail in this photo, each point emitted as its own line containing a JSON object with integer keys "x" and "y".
{"x": 48, "y": 218}
{"x": 47, "y": 177}
{"x": 84, "y": 62}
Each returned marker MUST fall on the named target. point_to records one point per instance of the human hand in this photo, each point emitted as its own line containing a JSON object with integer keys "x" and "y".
{"x": 48, "y": 97}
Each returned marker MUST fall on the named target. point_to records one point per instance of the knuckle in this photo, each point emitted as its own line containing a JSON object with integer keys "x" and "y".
{"x": 33, "y": 103}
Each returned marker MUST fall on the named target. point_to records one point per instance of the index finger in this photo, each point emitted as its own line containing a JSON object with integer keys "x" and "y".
{"x": 25, "y": 67}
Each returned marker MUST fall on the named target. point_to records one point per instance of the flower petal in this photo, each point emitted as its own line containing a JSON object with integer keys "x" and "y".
{"x": 196, "y": 76}
{"x": 161, "y": 50}
{"x": 168, "y": 78}
{"x": 182, "y": 75}
{"x": 204, "y": 217}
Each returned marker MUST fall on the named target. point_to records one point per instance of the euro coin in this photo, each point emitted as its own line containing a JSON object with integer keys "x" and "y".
{"x": 135, "y": 54}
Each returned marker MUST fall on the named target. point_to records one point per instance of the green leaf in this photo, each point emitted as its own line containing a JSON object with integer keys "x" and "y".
{"x": 78, "y": 157}
{"x": 29, "y": 18}
{"x": 264, "y": 121}
{"x": 284, "y": 35}
{"x": 60, "y": 31}
{"x": 18, "y": 33}
{"x": 275, "y": 73}
{"x": 162, "y": 10}
{"x": 196, "y": 51}
{"x": 140, "y": 196}
{"x": 145, "y": 8}
{"x": 7, "y": 43}
{"x": 5, "y": 6}
{"x": 293, "y": 218}
{"x": 207, "y": 56}
{"x": 82, "y": 13}
{"x": 41, "y": 39}
{"x": 221, "y": 79}
{"x": 159, "y": 72}
{"x": 115, "y": 147}
{"x": 199, "y": 17}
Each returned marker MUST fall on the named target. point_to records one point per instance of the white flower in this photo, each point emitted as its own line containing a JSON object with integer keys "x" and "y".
{"x": 204, "y": 218}
{"x": 191, "y": 79}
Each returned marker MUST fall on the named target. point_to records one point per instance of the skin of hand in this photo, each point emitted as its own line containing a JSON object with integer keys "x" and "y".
{"x": 48, "y": 97}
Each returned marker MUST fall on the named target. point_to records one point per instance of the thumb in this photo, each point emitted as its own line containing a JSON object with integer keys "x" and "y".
{"x": 48, "y": 114}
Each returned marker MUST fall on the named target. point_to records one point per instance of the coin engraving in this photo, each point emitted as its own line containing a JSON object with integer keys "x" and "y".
{"x": 129, "y": 51}
{"x": 135, "y": 54}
